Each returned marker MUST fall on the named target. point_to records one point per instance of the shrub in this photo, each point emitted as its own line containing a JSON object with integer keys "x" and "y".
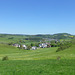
{"x": 32, "y": 44}
{"x": 64, "y": 46}
{"x": 5, "y": 58}
{"x": 11, "y": 43}
{"x": 28, "y": 47}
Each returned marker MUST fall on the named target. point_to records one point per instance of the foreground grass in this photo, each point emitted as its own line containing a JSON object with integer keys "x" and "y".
{"x": 37, "y": 67}
{"x": 37, "y": 62}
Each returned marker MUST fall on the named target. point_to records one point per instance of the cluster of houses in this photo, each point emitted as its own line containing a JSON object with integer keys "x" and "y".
{"x": 17, "y": 45}
{"x": 42, "y": 45}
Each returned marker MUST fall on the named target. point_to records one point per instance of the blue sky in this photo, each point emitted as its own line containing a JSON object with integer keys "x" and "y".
{"x": 37, "y": 16}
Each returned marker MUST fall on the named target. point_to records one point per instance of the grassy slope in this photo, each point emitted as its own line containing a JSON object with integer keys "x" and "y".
{"x": 37, "y": 62}
{"x": 46, "y": 53}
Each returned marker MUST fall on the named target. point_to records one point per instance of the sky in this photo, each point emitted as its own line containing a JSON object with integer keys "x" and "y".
{"x": 37, "y": 16}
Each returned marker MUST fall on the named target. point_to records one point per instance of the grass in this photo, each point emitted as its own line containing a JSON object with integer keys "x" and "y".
{"x": 39, "y": 54}
{"x": 37, "y": 62}
{"x": 37, "y": 67}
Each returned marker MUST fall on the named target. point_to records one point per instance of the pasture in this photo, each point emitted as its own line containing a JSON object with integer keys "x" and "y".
{"x": 14, "y": 53}
{"x": 42, "y": 61}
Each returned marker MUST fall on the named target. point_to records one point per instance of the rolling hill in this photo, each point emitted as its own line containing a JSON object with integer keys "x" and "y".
{"x": 43, "y": 61}
{"x": 37, "y": 62}
{"x": 39, "y": 54}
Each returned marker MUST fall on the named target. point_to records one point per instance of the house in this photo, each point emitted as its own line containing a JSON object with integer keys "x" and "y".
{"x": 24, "y": 46}
{"x": 34, "y": 47}
{"x": 43, "y": 45}
{"x": 48, "y": 45}
{"x": 16, "y": 45}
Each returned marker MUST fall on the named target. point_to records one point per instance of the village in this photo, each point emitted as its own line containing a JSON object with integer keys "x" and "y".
{"x": 44, "y": 43}
{"x": 41, "y": 45}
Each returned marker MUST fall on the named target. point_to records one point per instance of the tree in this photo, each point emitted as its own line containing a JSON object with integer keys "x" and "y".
{"x": 32, "y": 44}
{"x": 28, "y": 47}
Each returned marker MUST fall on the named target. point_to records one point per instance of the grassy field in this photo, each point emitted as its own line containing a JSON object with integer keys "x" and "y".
{"x": 39, "y": 54}
{"x": 37, "y": 62}
{"x": 37, "y": 67}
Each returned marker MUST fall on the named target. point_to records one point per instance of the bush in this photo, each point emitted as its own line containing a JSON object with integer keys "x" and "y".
{"x": 28, "y": 47}
{"x": 64, "y": 46}
{"x": 10, "y": 43}
{"x": 5, "y": 58}
{"x": 32, "y": 44}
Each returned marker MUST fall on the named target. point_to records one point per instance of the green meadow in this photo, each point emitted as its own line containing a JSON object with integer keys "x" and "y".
{"x": 37, "y": 67}
{"x": 14, "y": 53}
{"x": 42, "y": 61}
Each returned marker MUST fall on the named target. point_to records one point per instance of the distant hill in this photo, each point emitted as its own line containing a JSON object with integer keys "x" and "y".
{"x": 57, "y": 36}
{"x": 54, "y": 36}
{"x": 63, "y": 36}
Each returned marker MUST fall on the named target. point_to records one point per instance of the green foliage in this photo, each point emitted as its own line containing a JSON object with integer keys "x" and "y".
{"x": 10, "y": 43}
{"x": 21, "y": 47}
{"x": 11, "y": 38}
{"x": 54, "y": 45}
{"x": 32, "y": 44}
{"x": 28, "y": 47}
{"x": 37, "y": 44}
{"x": 52, "y": 41}
{"x": 22, "y": 41}
{"x": 64, "y": 46}
{"x": 33, "y": 38}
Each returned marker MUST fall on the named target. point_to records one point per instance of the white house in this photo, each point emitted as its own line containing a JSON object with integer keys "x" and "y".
{"x": 16, "y": 45}
{"x": 24, "y": 46}
{"x": 34, "y": 47}
{"x": 43, "y": 45}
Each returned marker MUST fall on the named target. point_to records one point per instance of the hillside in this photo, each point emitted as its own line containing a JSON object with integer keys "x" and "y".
{"x": 39, "y": 54}
{"x": 37, "y": 62}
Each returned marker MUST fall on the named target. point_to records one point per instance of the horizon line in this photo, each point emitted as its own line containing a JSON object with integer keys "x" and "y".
{"x": 35, "y": 34}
